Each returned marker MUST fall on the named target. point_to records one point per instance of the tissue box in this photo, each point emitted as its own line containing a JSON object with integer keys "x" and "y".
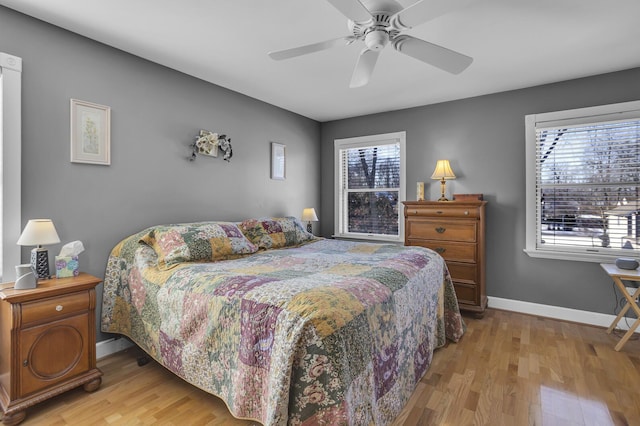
{"x": 67, "y": 266}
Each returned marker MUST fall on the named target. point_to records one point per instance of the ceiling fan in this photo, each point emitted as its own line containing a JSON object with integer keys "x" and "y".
{"x": 378, "y": 22}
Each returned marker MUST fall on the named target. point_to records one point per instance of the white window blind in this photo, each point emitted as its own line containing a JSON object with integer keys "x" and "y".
{"x": 587, "y": 185}
{"x": 370, "y": 187}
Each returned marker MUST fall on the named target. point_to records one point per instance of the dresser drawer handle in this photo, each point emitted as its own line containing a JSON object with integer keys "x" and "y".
{"x": 439, "y": 211}
{"x": 440, "y": 250}
{"x": 440, "y": 229}
{"x": 25, "y": 363}
{"x": 466, "y": 212}
{"x": 59, "y": 308}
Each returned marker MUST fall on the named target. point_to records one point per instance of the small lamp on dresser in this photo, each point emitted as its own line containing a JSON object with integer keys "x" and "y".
{"x": 39, "y": 232}
{"x": 309, "y": 215}
{"x": 442, "y": 173}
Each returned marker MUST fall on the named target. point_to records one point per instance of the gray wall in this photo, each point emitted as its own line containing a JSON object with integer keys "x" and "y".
{"x": 485, "y": 141}
{"x": 156, "y": 112}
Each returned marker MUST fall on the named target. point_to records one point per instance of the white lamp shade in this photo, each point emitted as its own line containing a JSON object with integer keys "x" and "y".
{"x": 38, "y": 232}
{"x": 443, "y": 171}
{"x": 309, "y": 215}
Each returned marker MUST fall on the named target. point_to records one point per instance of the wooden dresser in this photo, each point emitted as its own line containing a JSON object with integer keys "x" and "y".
{"x": 47, "y": 342}
{"x": 456, "y": 230}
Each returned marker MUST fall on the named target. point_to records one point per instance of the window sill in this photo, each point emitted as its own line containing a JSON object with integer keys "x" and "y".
{"x": 369, "y": 238}
{"x": 578, "y": 257}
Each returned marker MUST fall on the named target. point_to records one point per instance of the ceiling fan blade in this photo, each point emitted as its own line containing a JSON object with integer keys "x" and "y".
{"x": 352, "y": 9}
{"x": 311, "y": 48}
{"x": 432, "y": 54}
{"x": 423, "y": 11}
{"x": 364, "y": 68}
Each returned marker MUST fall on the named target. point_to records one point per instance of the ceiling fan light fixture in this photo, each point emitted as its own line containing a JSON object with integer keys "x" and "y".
{"x": 377, "y": 23}
{"x": 376, "y": 40}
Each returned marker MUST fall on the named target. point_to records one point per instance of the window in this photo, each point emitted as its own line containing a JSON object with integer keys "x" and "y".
{"x": 370, "y": 187}
{"x": 583, "y": 183}
{"x": 10, "y": 146}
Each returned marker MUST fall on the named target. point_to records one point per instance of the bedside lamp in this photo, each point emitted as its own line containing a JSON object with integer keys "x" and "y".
{"x": 39, "y": 232}
{"x": 443, "y": 172}
{"x": 309, "y": 215}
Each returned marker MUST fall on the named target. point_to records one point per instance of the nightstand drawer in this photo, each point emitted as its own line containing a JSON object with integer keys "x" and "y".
{"x": 443, "y": 230}
{"x": 54, "y": 307}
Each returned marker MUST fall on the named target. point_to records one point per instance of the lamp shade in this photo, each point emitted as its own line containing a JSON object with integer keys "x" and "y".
{"x": 443, "y": 171}
{"x": 309, "y": 215}
{"x": 39, "y": 232}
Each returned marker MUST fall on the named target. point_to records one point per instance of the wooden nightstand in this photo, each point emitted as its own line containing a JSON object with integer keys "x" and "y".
{"x": 47, "y": 342}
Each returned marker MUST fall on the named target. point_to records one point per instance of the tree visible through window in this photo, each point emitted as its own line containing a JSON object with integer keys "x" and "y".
{"x": 587, "y": 182}
{"x": 370, "y": 186}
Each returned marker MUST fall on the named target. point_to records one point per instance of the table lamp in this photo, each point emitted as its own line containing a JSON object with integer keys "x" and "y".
{"x": 443, "y": 172}
{"x": 39, "y": 232}
{"x": 309, "y": 215}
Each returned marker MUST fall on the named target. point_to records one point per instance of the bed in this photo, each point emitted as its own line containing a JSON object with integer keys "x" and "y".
{"x": 284, "y": 327}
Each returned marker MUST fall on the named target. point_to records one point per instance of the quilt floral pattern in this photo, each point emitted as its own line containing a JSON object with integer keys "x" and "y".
{"x": 331, "y": 332}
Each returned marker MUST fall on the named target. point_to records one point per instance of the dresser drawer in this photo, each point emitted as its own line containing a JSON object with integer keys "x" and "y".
{"x": 466, "y": 272}
{"x": 443, "y": 230}
{"x": 442, "y": 211}
{"x": 466, "y": 293}
{"x": 54, "y": 307}
{"x": 450, "y": 251}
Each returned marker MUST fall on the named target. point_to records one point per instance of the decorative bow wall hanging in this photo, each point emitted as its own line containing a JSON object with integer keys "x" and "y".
{"x": 209, "y": 143}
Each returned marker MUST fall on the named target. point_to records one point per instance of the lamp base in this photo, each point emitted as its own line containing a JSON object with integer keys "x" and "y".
{"x": 309, "y": 228}
{"x": 40, "y": 262}
{"x": 443, "y": 186}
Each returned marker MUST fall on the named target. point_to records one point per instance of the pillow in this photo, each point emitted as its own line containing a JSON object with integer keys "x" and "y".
{"x": 193, "y": 242}
{"x": 275, "y": 232}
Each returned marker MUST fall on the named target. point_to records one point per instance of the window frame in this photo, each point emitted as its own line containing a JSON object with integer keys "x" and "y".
{"x": 573, "y": 117}
{"x": 368, "y": 141}
{"x": 10, "y": 163}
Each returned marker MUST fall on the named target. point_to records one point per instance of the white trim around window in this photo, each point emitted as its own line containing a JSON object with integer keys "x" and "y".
{"x": 10, "y": 169}
{"x": 568, "y": 177}
{"x": 341, "y": 211}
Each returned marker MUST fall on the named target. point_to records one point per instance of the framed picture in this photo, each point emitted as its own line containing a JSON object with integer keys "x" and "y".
{"x": 420, "y": 191}
{"x": 278, "y": 161}
{"x": 90, "y": 133}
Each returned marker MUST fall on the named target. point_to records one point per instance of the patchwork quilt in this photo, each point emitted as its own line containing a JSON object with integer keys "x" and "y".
{"x": 329, "y": 332}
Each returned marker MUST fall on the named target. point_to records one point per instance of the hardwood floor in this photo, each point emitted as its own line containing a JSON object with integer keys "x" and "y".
{"x": 509, "y": 369}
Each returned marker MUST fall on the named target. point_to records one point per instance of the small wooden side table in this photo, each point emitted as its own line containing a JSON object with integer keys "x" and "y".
{"x": 47, "y": 342}
{"x": 618, "y": 275}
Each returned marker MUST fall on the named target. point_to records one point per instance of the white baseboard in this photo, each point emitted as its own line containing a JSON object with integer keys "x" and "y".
{"x": 556, "y": 312}
{"x": 111, "y": 346}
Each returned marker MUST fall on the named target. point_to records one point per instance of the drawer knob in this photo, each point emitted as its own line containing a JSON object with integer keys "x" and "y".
{"x": 59, "y": 308}
{"x": 440, "y": 229}
{"x": 439, "y": 211}
{"x": 25, "y": 363}
{"x": 440, "y": 250}
{"x": 466, "y": 212}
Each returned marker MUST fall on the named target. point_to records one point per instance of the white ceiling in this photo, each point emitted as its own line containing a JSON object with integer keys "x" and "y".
{"x": 514, "y": 43}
